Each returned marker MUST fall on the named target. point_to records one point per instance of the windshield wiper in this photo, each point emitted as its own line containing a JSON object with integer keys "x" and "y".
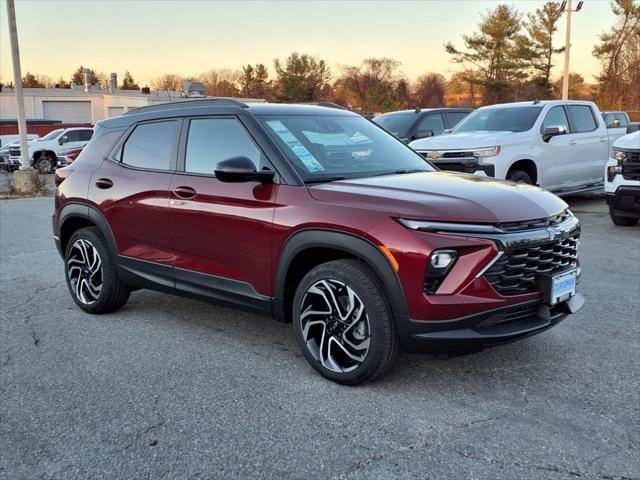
{"x": 400, "y": 171}
{"x": 324, "y": 179}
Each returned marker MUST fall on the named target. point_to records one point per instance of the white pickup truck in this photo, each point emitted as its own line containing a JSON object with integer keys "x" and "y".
{"x": 622, "y": 181}
{"x": 44, "y": 151}
{"x": 559, "y": 145}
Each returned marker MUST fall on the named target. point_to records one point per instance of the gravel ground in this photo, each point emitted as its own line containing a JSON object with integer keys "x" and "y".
{"x": 175, "y": 388}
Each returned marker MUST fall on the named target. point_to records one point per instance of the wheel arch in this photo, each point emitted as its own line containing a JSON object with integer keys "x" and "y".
{"x": 311, "y": 247}
{"x": 530, "y": 167}
{"x": 74, "y": 216}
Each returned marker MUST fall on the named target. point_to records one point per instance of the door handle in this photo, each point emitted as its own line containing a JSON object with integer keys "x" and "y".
{"x": 185, "y": 192}
{"x": 603, "y": 139}
{"x": 104, "y": 183}
{"x": 573, "y": 142}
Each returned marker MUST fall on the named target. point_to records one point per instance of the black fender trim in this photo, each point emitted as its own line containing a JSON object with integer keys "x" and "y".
{"x": 87, "y": 212}
{"x": 350, "y": 243}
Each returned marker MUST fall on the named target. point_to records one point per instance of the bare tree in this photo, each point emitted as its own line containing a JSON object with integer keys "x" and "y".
{"x": 430, "y": 89}
{"x": 220, "y": 82}
{"x": 374, "y": 85}
{"x": 171, "y": 82}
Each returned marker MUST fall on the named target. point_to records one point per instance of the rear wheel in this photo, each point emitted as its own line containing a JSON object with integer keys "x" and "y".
{"x": 91, "y": 273}
{"x": 343, "y": 323}
{"x": 519, "y": 176}
{"x": 622, "y": 221}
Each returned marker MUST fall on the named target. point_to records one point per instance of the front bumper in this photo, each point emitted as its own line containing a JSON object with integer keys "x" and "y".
{"x": 625, "y": 202}
{"x": 487, "y": 329}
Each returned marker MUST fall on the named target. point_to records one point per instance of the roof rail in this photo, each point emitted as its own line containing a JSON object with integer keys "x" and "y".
{"x": 219, "y": 102}
{"x": 324, "y": 104}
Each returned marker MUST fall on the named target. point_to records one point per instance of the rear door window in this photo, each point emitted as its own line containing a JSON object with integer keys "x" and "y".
{"x": 583, "y": 119}
{"x": 150, "y": 146}
{"x": 85, "y": 135}
{"x": 455, "y": 117}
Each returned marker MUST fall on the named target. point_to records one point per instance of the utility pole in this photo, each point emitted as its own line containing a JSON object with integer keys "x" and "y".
{"x": 566, "y": 6}
{"x": 26, "y": 177}
{"x": 17, "y": 82}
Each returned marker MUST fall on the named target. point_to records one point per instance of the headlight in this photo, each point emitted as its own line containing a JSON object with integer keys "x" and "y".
{"x": 618, "y": 155}
{"x": 487, "y": 152}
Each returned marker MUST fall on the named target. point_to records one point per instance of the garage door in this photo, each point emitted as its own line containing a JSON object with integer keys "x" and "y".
{"x": 115, "y": 111}
{"x": 67, "y": 112}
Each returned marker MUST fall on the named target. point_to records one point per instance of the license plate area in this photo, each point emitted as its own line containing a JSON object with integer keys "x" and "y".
{"x": 558, "y": 286}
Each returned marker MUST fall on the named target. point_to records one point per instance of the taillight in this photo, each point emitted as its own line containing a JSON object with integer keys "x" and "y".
{"x": 61, "y": 174}
{"x": 73, "y": 155}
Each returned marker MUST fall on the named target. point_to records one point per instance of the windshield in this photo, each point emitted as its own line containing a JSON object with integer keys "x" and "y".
{"x": 335, "y": 147}
{"x": 506, "y": 119}
{"x": 398, "y": 123}
{"x": 52, "y": 135}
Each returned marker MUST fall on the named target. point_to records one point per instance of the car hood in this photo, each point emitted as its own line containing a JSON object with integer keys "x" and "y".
{"x": 460, "y": 141}
{"x": 443, "y": 196}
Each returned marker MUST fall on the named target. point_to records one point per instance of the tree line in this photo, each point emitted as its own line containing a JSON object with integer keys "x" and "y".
{"x": 510, "y": 58}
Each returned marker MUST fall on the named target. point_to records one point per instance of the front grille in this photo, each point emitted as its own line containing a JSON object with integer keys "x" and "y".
{"x": 516, "y": 272}
{"x": 631, "y": 166}
{"x": 457, "y": 155}
{"x": 14, "y": 152}
{"x": 457, "y": 166}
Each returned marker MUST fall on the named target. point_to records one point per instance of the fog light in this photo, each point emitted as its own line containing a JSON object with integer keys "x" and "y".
{"x": 443, "y": 258}
{"x": 440, "y": 264}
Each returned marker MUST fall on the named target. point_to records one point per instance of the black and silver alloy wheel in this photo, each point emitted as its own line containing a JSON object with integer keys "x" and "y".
{"x": 343, "y": 322}
{"x": 91, "y": 273}
{"x": 84, "y": 270}
{"x": 335, "y": 326}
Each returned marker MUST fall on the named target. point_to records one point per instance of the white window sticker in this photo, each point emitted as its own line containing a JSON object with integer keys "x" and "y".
{"x": 299, "y": 150}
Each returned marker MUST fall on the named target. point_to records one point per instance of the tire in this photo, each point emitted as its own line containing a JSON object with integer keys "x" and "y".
{"x": 519, "y": 176}
{"x": 44, "y": 163}
{"x": 370, "y": 337}
{"x": 622, "y": 221}
{"x": 100, "y": 290}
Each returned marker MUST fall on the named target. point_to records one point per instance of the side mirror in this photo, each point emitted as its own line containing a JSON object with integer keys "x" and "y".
{"x": 615, "y": 123}
{"x": 633, "y": 127}
{"x": 64, "y": 139}
{"x": 241, "y": 169}
{"x": 447, "y": 130}
{"x": 423, "y": 134}
{"x": 551, "y": 132}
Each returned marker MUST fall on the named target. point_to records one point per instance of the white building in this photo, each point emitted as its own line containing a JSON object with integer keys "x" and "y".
{"x": 83, "y": 103}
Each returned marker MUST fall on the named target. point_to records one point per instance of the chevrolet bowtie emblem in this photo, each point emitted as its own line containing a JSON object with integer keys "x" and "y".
{"x": 434, "y": 155}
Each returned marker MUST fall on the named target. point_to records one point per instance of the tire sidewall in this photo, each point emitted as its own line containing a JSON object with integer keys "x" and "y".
{"x": 518, "y": 176}
{"x": 99, "y": 244}
{"x": 377, "y": 310}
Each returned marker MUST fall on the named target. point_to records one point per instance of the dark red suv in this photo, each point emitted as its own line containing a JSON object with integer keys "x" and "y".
{"x": 313, "y": 215}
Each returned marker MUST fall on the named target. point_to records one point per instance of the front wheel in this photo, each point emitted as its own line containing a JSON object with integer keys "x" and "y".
{"x": 622, "y": 221}
{"x": 343, "y": 322}
{"x": 44, "y": 163}
{"x": 519, "y": 176}
{"x": 91, "y": 273}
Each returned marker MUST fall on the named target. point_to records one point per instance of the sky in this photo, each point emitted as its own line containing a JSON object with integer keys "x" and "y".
{"x": 151, "y": 37}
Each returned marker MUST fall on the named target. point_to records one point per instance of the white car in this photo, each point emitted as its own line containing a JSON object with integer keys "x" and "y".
{"x": 559, "y": 145}
{"x": 44, "y": 151}
{"x": 622, "y": 180}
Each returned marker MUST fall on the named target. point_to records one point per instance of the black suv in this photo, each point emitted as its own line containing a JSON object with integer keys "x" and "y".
{"x": 410, "y": 125}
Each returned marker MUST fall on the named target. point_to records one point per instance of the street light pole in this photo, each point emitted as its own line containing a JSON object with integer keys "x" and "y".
{"x": 567, "y": 47}
{"x": 17, "y": 85}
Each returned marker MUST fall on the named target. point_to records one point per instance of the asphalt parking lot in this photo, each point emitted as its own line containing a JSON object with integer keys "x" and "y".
{"x": 176, "y": 388}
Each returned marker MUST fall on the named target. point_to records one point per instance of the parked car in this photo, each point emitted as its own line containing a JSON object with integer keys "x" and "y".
{"x": 617, "y": 124}
{"x": 67, "y": 157}
{"x": 559, "y": 145}
{"x": 622, "y": 180}
{"x": 7, "y": 141}
{"x": 409, "y": 125}
{"x": 365, "y": 252}
{"x": 44, "y": 151}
